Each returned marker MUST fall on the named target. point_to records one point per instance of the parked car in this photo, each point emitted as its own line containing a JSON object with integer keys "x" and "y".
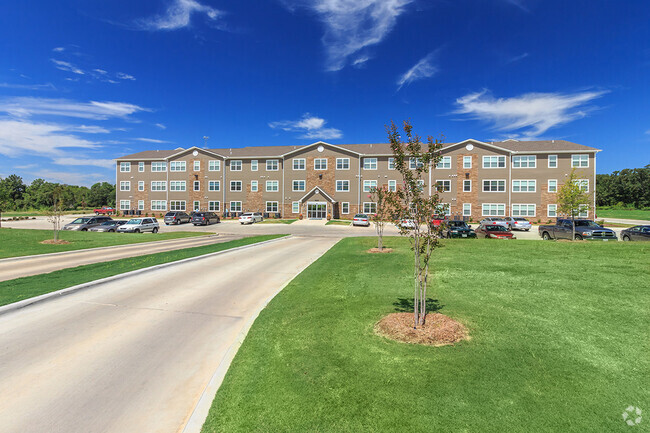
{"x": 458, "y": 229}
{"x": 361, "y": 219}
{"x": 636, "y": 233}
{"x": 108, "y": 226}
{"x": 176, "y": 217}
{"x": 85, "y": 223}
{"x": 494, "y": 231}
{"x": 251, "y": 217}
{"x": 104, "y": 210}
{"x": 518, "y": 223}
{"x": 437, "y": 220}
{"x": 494, "y": 221}
{"x": 407, "y": 223}
{"x": 584, "y": 229}
{"x": 139, "y": 225}
{"x": 205, "y": 218}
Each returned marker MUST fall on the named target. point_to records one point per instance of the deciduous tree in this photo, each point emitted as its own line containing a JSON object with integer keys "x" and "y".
{"x": 572, "y": 199}
{"x": 382, "y": 198}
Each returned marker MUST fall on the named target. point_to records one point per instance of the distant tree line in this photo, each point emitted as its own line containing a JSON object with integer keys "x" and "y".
{"x": 16, "y": 195}
{"x": 626, "y": 188}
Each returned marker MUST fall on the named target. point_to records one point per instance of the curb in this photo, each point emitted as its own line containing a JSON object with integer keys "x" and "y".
{"x": 200, "y": 413}
{"x": 67, "y": 291}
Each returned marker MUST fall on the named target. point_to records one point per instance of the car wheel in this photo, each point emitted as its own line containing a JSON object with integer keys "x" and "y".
{"x": 487, "y": 236}
{"x": 113, "y": 231}
{"x": 166, "y": 224}
{"x": 84, "y": 230}
{"x": 546, "y": 236}
{"x": 578, "y": 238}
{"x": 136, "y": 231}
{"x": 626, "y": 238}
{"x": 96, "y": 213}
{"x": 155, "y": 230}
{"x": 527, "y": 229}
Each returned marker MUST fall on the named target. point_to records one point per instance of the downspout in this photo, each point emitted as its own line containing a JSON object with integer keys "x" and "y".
{"x": 509, "y": 185}
{"x": 283, "y": 203}
{"x": 359, "y": 185}
{"x": 167, "y": 184}
{"x": 595, "y": 216}
{"x": 223, "y": 187}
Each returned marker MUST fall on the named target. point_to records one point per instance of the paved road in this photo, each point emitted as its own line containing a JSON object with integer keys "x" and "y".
{"x": 134, "y": 355}
{"x": 32, "y": 265}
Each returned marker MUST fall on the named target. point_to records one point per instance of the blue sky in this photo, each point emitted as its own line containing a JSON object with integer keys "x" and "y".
{"x": 85, "y": 81}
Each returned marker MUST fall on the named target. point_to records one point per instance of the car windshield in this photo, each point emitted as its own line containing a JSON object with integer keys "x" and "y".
{"x": 247, "y": 214}
{"x": 108, "y": 223}
{"x": 80, "y": 221}
{"x": 496, "y": 229}
{"x": 520, "y": 219}
{"x": 457, "y": 224}
{"x": 586, "y": 223}
{"x": 361, "y": 215}
{"x": 170, "y": 214}
{"x": 135, "y": 221}
{"x": 198, "y": 214}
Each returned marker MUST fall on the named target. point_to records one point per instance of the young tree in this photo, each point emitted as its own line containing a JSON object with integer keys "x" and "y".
{"x": 572, "y": 199}
{"x": 381, "y": 197}
{"x": 54, "y": 215}
{"x": 413, "y": 160}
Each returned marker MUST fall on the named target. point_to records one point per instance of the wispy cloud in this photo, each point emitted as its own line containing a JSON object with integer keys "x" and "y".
{"x": 35, "y": 138}
{"x": 424, "y": 68}
{"x": 105, "y": 163}
{"x": 517, "y": 58}
{"x": 311, "y": 127}
{"x": 28, "y": 106}
{"x": 150, "y": 140}
{"x": 69, "y": 177}
{"x": 178, "y": 15}
{"x": 352, "y": 25}
{"x": 161, "y": 126}
{"x": 67, "y": 66}
{"x": 90, "y": 73}
{"x": 46, "y": 86}
{"x": 123, "y": 76}
{"x": 530, "y": 114}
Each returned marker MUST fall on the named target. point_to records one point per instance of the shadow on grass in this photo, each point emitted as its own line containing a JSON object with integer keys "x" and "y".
{"x": 405, "y": 305}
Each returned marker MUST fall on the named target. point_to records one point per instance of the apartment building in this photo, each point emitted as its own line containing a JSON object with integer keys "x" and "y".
{"x": 476, "y": 179}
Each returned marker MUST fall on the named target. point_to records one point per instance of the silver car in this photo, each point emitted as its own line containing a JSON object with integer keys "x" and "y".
{"x": 108, "y": 226}
{"x": 491, "y": 221}
{"x": 139, "y": 225}
{"x": 84, "y": 223}
{"x": 251, "y": 217}
{"x": 518, "y": 223}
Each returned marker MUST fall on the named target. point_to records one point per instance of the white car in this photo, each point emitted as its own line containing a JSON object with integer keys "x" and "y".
{"x": 361, "y": 219}
{"x": 407, "y": 224}
{"x": 139, "y": 225}
{"x": 494, "y": 221}
{"x": 251, "y": 217}
{"x": 518, "y": 223}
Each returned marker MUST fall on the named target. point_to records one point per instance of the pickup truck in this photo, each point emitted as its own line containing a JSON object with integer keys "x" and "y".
{"x": 105, "y": 210}
{"x": 585, "y": 229}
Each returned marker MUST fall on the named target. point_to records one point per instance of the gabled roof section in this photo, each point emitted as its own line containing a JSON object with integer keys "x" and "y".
{"x": 181, "y": 151}
{"x": 473, "y": 141}
{"x": 320, "y": 190}
{"x": 148, "y": 155}
{"x": 544, "y": 146}
{"x": 321, "y": 143}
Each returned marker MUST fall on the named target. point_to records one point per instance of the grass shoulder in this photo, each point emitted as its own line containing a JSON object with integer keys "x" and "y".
{"x": 632, "y": 214}
{"x": 338, "y": 222}
{"x": 278, "y": 221}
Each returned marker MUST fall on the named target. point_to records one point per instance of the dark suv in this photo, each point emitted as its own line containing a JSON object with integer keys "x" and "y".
{"x": 205, "y": 218}
{"x": 176, "y": 218}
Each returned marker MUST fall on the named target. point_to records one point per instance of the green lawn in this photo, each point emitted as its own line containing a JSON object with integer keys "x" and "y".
{"x": 632, "y": 214}
{"x": 28, "y": 287}
{"x": 560, "y": 342}
{"x": 26, "y": 242}
{"x": 278, "y": 221}
{"x": 37, "y": 212}
{"x": 338, "y": 222}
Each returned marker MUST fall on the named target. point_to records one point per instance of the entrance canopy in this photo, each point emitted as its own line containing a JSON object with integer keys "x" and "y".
{"x": 317, "y": 194}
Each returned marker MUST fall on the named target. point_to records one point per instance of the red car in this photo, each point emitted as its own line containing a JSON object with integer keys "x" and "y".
{"x": 437, "y": 220}
{"x": 106, "y": 210}
{"x": 494, "y": 232}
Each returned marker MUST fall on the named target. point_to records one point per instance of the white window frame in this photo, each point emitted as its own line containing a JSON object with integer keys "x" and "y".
{"x": 519, "y": 160}
{"x": 391, "y": 163}
{"x": 318, "y": 164}
{"x": 368, "y": 185}
{"x": 177, "y": 166}
{"x": 467, "y": 182}
{"x": 212, "y": 207}
{"x": 444, "y": 163}
{"x": 518, "y": 211}
{"x": 196, "y": 185}
{"x": 370, "y": 163}
{"x": 141, "y": 166}
{"x": 446, "y": 185}
{"x": 345, "y": 207}
{"x": 295, "y": 207}
{"x": 548, "y": 186}
{"x": 500, "y": 209}
{"x": 141, "y": 185}
{"x": 467, "y": 209}
{"x": 235, "y": 165}
{"x": 196, "y": 205}
{"x": 214, "y": 185}
{"x": 140, "y": 204}
{"x": 299, "y": 164}
{"x": 178, "y": 186}
{"x": 343, "y": 186}
{"x": 235, "y": 203}
{"x": 342, "y": 163}
{"x": 584, "y": 184}
{"x": 551, "y": 210}
{"x": 494, "y": 180}
{"x": 467, "y": 161}
{"x": 158, "y": 185}
{"x": 499, "y": 159}
{"x": 125, "y": 204}
{"x": 272, "y": 164}
{"x": 392, "y": 185}
{"x": 214, "y": 165}
{"x": 414, "y": 163}
{"x": 125, "y": 167}
{"x": 254, "y": 165}
{"x": 159, "y": 205}
{"x": 577, "y": 160}
{"x": 552, "y": 158}
{"x": 277, "y": 207}
{"x": 302, "y": 185}
{"x": 371, "y": 205}
{"x": 125, "y": 185}
{"x": 177, "y": 205}
{"x": 254, "y": 186}
{"x": 236, "y": 183}
{"x": 158, "y": 167}
{"x": 528, "y": 184}
{"x": 585, "y": 213}
{"x": 196, "y": 165}
{"x": 269, "y": 186}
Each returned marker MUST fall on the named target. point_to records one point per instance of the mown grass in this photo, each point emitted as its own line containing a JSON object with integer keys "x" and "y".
{"x": 27, "y": 242}
{"x": 28, "y": 287}
{"x": 632, "y": 214}
{"x": 560, "y": 341}
{"x": 41, "y": 212}
{"x": 278, "y": 221}
{"x": 338, "y": 222}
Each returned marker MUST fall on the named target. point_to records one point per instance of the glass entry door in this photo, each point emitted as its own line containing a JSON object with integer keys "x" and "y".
{"x": 316, "y": 210}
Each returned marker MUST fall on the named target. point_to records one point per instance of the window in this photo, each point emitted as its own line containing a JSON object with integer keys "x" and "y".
{"x": 421, "y": 185}
{"x": 445, "y": 162}
{"x": 298, "y": 185}
{"x": 140, "y": 204}
{"x": 320, "y": 163}
{"x": 177, "y": 205}
{"x": 235, "y": 185}
{"x": 467, "y": 162}
{"x": 158, "y": 166}
{"x": 369, "y": 207}
{"x": 494, "y": 162}
{"x": 467, "y": 186}
{"x": 552, "y": 185}
{"x": 214, "y": 185}
{"x": 254, "y": 187}
{"x": 494, "y": 186}
{"x": 254, "y": 165}
{"x": 443, "y": 185}
{"x": 271, "y": 206}
{"x": 524, "y": 185}
{"x": 197, "y": 185}
{"x": 584, "y": 184}
{"x": 370, "y": 163}
{"x": 235, "y": 206}
{"x": 444, "y": 209}
{"x": 494, "y": 209}
{"x": 392, "y": 185}
{"x": 552, "y": 161}
{"x": 368, "y": 185}
{"x": 295, "y": 207}
{"x": 177, "y": 166}
{"x": 345, "y": 207}
{"x": 158, "y": 204}
{"x": 299, "y": 164}
{"x": 415, "y": 163}
{"x": 528, "y": 161}
{"x": 272, "y": 186}
{"x": 467, "y": 209}
{"x": 214, "y": 206}
{"x": 523, "y": 210}
{"x": 159, "y": 185}
{"x": 584, "y": 211}
{"x": 342, "y": 185}
{"x": 176, "y": 185}
{"x": 125, "y": 167}
{"x": 125, "y": 185}
{"x": 197, "y": 165}
{"x": 272, "y": 165}
{"x": 125, "y": 204}
{"x": 196, "y": 206}
{"x": 391, "y": 163}
{"x": 342, "y": 163}
{"x": 214, "y": 165}
{"x": 141, "y": 166}
{"x": 551, "y": 210}
{"x": 235, "y": 165}
{"x": 580, "y": 161}
{"x": 141, "y": 185}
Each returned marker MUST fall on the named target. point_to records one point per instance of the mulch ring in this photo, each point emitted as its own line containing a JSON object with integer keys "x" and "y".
{"x": 438, "y": 330}
{"x": 53, "y": 242}
{"x": 377, "y": 250}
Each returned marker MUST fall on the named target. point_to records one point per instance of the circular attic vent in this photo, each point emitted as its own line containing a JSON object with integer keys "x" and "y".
{"x": 320, "y": 148}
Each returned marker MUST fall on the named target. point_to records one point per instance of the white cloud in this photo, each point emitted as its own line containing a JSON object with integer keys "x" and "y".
{"x": 311, "y": 127}
{"x": 32, "y": 138}
{"x": 70, "y": 178}
{"x": 352, "y": 25}
{"x": 47, "y": 86}
{"x": 530, "y": 114}
{"x": 424, "y": 68}
{"x": 178, "y": 15}
{"x": 58, "y": 49}
{"x": 150, "y": 140}
{"x": 67, "y": 66}
{"x": 161, "y": 126}
{"x": 28, "y": 106}
{"x": 123, "y": 76}
{"x": 517, "y": 58}
{"x": 105, "y": 163}
{"x": 88, "y": 129}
